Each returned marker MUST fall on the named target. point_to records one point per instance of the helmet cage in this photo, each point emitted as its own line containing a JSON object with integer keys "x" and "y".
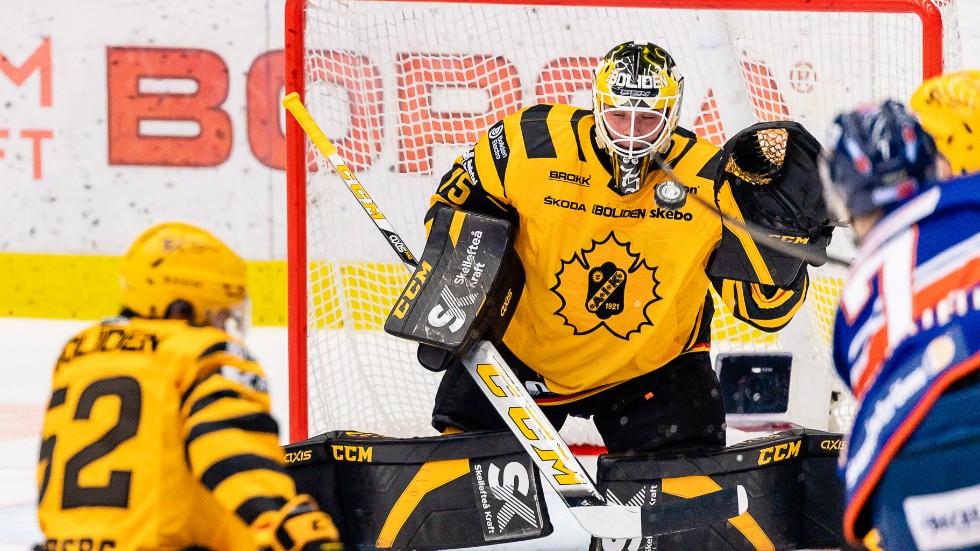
{"x": 637, "y": 93}
{"x": 234, "y": 319}
{"x": 647, "y": 123}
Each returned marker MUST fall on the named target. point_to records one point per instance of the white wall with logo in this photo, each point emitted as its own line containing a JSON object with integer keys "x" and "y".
{"x": 74, "y": 176}
{"x": 72, "y": 78}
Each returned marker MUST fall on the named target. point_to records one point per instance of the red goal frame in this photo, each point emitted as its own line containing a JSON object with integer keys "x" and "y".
{"x": 296, "y": 244}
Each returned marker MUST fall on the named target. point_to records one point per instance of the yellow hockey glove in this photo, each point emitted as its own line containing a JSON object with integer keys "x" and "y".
{"x": 298, "y": 526}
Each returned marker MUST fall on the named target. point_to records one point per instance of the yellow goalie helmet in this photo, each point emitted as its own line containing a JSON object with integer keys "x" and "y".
{"x": 176, "y": 269}
{"x": 637, "y": 92}
{"x": 948, "y": 107}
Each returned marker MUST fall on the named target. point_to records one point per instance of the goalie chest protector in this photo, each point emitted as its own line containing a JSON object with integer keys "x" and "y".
{"x": 423, "y": 493}
{"x": 795, "y": 497}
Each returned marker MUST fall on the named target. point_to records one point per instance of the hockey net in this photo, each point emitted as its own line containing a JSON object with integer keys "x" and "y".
{"x": 404, "y": 87}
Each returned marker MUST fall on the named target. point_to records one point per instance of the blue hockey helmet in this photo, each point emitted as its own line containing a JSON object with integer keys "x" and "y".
{"x": 877, "y": 155}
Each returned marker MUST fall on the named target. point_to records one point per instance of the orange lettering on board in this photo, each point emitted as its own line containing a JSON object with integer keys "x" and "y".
{"x": 39, "y": 62}
{"x": 422, "y": 125}
{"x": 128, "y": 107}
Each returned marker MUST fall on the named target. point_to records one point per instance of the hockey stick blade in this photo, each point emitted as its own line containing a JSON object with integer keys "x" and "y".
{"x": 630, "y": 522}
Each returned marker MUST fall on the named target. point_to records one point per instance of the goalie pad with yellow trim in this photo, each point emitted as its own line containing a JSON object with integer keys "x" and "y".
{"x": 772, "y": 179}
{"x": 795, "y": 496}
{"x": 423, "y": 493}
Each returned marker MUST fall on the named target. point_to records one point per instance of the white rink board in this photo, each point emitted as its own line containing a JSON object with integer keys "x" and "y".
{"x": 68, "y": 197}
{"x": 82, "y": 203}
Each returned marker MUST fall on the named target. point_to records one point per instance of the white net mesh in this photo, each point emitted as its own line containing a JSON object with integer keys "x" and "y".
{"x": 404, "y": 87}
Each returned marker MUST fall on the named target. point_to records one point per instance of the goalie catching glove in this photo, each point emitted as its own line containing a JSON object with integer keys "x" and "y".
{"x": 299, "y": 525}
{"x": 771, "y": 170}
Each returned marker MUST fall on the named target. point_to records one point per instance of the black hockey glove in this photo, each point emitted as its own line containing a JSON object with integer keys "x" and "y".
{"x": 299, "y": 525}
{"x": 771, "y": 169}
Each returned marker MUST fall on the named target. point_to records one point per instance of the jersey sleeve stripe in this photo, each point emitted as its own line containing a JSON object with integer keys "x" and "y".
{"x": 224, "y": 469}
{"x": 206, "y": 377}
{"x": 255, "y": 422}
{"x": 58, "y": 397}
{"x": 711, "y": 168}
{"x": 741, "y": 298}
{"x": 576, "y": 118}
{"x": 187, "y": 393}
{"x": 701, "y": 331}
{"x": 688, "y": 145}
{"x": 251, "y": 508}
{"x": 209, "y": 399}
{"x": 534, "y": 129}
{"x": 227, "y": 347}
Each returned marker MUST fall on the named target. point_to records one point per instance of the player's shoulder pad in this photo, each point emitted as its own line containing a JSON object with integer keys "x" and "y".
{"x": 230, "y": 359}
{"x": 686, "y": 147}
{"x": 560, "y": 111}
{"x": 537, "y": 115}
{"x": 227, "y": 347}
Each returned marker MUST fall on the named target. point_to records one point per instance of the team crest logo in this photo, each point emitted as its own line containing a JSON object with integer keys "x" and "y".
{"x": 606, "y": 286}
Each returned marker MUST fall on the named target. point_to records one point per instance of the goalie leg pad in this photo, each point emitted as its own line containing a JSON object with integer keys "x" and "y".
{"x": 431, "y": 493}
{"x": 795, "y": 499}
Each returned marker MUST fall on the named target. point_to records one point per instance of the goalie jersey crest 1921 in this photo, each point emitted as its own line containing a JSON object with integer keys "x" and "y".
{"x": 616, "y": 281}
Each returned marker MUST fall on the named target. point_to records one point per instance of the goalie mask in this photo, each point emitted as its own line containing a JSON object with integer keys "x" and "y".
{"x": 179, "y": 267}
{"x": 637, "y": 92}
{"x": 949, "y": 109}
{"x": 877, "y": 156}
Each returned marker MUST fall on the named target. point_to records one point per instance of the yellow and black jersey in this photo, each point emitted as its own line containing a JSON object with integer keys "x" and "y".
{"x": 158, "y": 435}
{"x": 616, "y": 286}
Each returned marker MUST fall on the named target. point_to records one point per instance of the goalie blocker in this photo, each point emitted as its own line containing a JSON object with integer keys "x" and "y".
{"x": 465, "y": 287}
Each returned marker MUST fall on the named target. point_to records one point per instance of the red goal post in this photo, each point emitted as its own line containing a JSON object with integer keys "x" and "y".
{"x": 403, "y": 87}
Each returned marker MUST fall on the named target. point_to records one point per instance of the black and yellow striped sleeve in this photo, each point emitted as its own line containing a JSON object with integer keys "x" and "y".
{"x": 765, "y": 307}
{"x": 477, "y": 180}
{"x": 459, "y": 190}
{"x": 231, "y": 441}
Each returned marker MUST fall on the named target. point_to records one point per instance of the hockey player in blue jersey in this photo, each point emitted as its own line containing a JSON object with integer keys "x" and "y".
{"x": 907, "y": 332}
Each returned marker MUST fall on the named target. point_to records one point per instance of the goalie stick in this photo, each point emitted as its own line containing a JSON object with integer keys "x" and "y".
{"x": 549, "y": 452}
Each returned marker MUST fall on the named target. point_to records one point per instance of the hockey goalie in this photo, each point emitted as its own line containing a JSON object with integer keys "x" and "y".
{"x": 583, "y": 244}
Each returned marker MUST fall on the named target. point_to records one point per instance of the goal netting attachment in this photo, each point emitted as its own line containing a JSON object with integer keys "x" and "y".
{"x": 403, "y": 87}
